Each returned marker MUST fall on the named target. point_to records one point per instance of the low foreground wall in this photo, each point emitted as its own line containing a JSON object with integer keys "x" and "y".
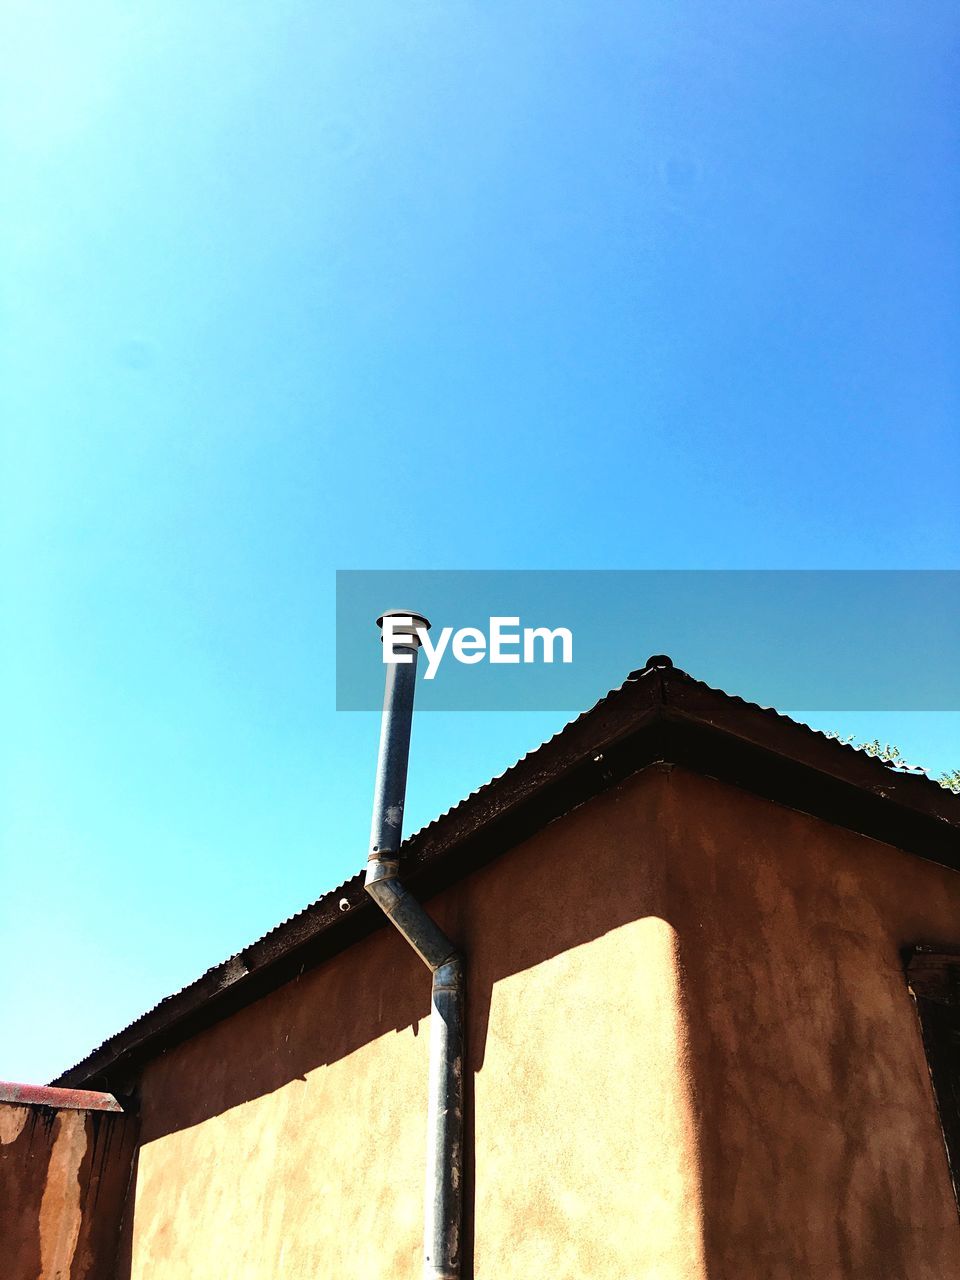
{"x": 65, "y": 1159}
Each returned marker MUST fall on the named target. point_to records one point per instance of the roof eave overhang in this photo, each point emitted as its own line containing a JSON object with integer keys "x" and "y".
{"x": 663, "y": 716}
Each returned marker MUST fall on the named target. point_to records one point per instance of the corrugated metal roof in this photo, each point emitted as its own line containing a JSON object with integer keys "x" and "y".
{"x": 659, "y": 695}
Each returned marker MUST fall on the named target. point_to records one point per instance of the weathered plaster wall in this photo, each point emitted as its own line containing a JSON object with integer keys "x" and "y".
{"x": 692, "y": 1054}
{"x": 63, "y": 1178}
{"x": 820, "y": 1149}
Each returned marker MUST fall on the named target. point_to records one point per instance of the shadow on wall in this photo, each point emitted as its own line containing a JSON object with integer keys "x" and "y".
{"x": 803, "y": 1113}
{"x": 556, "y": 894}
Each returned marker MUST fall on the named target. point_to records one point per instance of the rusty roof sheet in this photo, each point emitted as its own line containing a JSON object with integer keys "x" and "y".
{"x": 659, "y": 713}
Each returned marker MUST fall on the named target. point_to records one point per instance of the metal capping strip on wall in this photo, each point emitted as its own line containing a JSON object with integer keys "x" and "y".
{"x": 26, "y": 1095}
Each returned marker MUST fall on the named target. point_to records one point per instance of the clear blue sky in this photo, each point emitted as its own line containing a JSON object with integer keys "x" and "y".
{"x": 293, "y": 287}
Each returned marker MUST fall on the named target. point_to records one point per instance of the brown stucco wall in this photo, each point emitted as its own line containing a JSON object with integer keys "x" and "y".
{"x": 691, "y": 1054}
{"x": 64, "y": 1176}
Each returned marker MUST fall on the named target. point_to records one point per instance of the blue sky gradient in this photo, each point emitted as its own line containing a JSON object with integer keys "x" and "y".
{"x": 290, "y": 288}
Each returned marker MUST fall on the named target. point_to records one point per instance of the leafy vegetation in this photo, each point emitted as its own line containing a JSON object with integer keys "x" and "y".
{"x": 891, "y": 754}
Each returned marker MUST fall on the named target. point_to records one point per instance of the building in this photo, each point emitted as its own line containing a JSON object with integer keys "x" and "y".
{"x": 713, "y": 1033}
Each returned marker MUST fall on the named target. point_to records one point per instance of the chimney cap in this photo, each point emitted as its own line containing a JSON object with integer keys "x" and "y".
{"x": 417, "y": 620}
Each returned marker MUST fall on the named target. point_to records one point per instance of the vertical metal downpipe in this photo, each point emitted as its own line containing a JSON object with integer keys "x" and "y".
{"x": 443, "y": 1207}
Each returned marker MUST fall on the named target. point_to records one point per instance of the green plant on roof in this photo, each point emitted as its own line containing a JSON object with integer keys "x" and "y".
{"x": 890, "y": 754}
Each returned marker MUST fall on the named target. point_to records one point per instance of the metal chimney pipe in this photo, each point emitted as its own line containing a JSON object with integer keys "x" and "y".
{"x": 443, "y": 1209}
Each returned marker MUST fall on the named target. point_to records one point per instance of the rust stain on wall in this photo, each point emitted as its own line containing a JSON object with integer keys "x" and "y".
{"x": 60, "y": 1207}
{"x": 64, "y": 1176}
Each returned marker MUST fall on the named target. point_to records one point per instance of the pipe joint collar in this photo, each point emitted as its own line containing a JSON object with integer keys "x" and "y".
{"x": 449, "y": 975}
{"x": 381, "y": 868}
